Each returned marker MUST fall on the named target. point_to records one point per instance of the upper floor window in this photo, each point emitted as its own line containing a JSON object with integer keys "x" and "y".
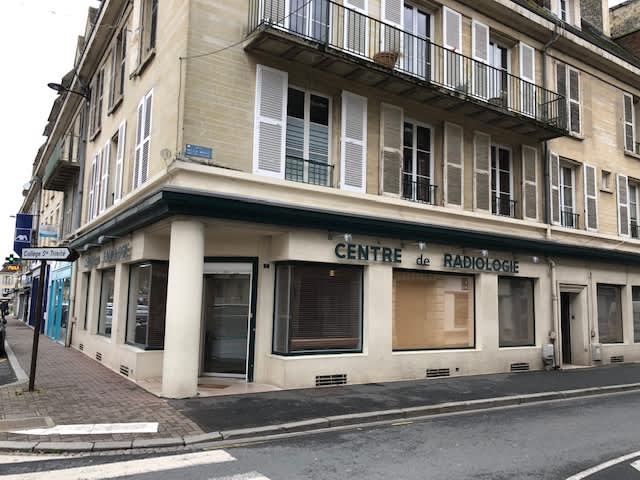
{"x": 630, "y": 106}
{"x": 95, "y": 107}
{"x": 568, "y": 196}
{"x": 634, "y": 203}
{"x": 417, "y": 169}
{"x": 148, "y": 27}
{"x": 118, "y": 68}
{"x": 502, "y": 202}
{"x": 417, "y": 52}
{"x": 568, "y": 85}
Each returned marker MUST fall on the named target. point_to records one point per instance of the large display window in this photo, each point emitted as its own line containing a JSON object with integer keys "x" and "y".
{"x": 609, "y": 313}
{"x": 516, "y": 312}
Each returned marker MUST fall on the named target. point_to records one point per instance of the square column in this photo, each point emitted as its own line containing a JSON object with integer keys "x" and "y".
{"x": 182, "y": 337}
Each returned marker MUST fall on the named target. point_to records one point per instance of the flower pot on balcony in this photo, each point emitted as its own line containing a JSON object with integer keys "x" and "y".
{"x": 386, "y": 59}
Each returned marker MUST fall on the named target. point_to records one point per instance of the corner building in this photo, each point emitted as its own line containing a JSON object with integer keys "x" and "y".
{"x": 301, "y": 193}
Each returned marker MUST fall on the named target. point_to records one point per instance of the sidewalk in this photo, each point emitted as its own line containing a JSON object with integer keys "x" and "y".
{"x": 74, "y": 389}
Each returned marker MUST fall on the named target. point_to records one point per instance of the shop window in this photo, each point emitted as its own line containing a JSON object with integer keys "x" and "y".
{"x": 635, "y": 298}
{"x": 609, "y": 314}
{"x": 318, "y": 309}
{"x": 105, "y": 318}
{"x": 147, "y": 305}
{"x": 516, "y": 312}
{"x": 432, "y": 311}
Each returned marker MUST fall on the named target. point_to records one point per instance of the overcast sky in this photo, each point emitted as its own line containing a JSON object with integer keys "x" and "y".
{"x": 38, "y": 39}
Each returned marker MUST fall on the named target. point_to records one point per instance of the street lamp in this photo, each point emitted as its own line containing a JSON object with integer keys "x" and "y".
{"x": 59, "y": 88}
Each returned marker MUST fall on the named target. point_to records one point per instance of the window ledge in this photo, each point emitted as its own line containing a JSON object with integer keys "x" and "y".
{"x": 606, "y": 190}
{"x": 577, "y": 136}
{"x": 144, "y": 63}
{"x": 315, "y": 356}
{"x": 93, "y": 136}
{"x": 629, "y": 153}
{"x": 115, "y": 105}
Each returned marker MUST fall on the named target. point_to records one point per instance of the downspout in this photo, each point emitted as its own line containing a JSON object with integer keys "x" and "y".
{"x": 553, "y": 334}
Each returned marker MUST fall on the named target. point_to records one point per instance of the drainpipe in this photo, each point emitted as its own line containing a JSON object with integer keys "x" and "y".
{"x": 553, "y": 335}
{"x": 545, "y": 144}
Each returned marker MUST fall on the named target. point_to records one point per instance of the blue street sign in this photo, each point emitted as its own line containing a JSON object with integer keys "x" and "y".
{"x": 22, "y": 237}
{"x": 198, "y": 151}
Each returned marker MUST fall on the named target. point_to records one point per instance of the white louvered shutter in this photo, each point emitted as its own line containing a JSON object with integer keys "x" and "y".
{"x": 454, "y": 165}
{"x": 452, "y": 28}
{"x": 104, "y": 182}
{"x": 561, "y": 89}
{"x": 528, "y": 73}
{"x": 92, "y": 193}
{"x": 270, "y": 121}
{"x": 391, "y": 128}
{"x": 356, "y": 27}
{"x": 146, "y": 139}
{"x": 353, "y": 142}
{"x": 392, "y": 13}
{"x": 529, "y": 183}
{"x": 575, "y": 125}
{"x": 138, "y": 150}
{"x": 117, "y": 184}
{"x": 590, "y": 198}
{"x": 623, "y": 205}
{"x": 96, "y": 184}
{"x": 482, "y": 171}
{"x": 554, "y": 180}
{"x": 480, "y": 52}
{"x": 629, "y": 123}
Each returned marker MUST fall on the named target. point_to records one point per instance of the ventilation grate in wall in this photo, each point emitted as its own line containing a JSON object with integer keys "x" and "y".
{"x": 99, "y": 356}
{"x": 520, "y": 367}
{"x": 617, "y": 359}
{"x": 438, "y": 372}
{"x": 81, "y": 347}
{"x": 328, "y": 380}
{"x": 124, "y": 370}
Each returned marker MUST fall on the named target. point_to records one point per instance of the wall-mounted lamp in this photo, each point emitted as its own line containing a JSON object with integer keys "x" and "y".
{"x": 535, "y": 259}
{"x": 422, "y": 246}
{"x": 59, "y": 88}
{"x": 89, "y": 246}
{"x": 484, "y": 253}
{"x": 348, "y": 237}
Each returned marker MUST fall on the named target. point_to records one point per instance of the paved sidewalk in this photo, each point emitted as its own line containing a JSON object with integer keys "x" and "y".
{"x": 7, "y": 375}
{"x": 72, "y": 388}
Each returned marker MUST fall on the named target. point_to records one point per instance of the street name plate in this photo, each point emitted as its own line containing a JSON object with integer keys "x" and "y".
{"x": 59, "y": 253}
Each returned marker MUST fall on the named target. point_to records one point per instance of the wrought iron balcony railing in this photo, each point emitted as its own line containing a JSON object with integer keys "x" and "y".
{"x": 569, "y": 219}
{"x": 503, "y": 205}
{"x": 308, "y": 171}
{"x": 421, "y": 190}
{"x": 635, "y": 232}
{"x": 332, "y": 26}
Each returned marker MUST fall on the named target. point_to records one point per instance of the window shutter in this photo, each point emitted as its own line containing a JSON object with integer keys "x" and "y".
{"x": 529, "y": 182}
{"x": 482, "y": 171}
{"x": 117, "y": 188}
{"x": 454, "y": 167}
{"x": 574, "y": 101}
{"x": 357, "y": 4}
{"x": 480, "y": 52}
{"x": 269, "y": 128}
{"x": 393, "y": 12}
{"x": 104, "y": 186}
{"x": 353, "y": 144}
{"x": 391, "y": 128}
{"x": 554, "y": 180}
{"x": 590, "y": 197}
{"x": 138, "y": 150}
{"x": 623, "y": 205}
{"x": 561, "y": 89}
{"x": 629, "y": 123}
{"x": 92, "y": 180}
{"x": 527, "y": 63}
{"x": 96, "y": 184}
{"x": 452, "y": 28}
{"x": 146, "y": 140}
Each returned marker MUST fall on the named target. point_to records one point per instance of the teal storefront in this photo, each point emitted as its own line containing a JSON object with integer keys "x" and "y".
{"x": 58, "y": 301}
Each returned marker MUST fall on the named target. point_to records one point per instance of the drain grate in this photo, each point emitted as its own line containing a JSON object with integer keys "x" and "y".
{"x": 617, "y": 359}
{"x": 520, "y": 367}
{"x": 328, "y": 380}
{"x": 81, "y": 347}
{"x": 438, "y": 372}
{"x": 99, "y": 356}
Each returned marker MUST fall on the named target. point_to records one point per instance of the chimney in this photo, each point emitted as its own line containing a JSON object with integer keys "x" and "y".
{"x": 596, "y": 12}
{"x": 625, "y": 25}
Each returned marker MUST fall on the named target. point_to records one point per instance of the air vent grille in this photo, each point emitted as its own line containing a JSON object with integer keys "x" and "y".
{"x": 81, "y": 347}
{"x": 438, "y": 372}
{"x": 124, "y": 370}
{"x": 99, "y": 356}
{"x": 327, "y": 380}
{"x": 617, "y": 359}
{"x": 520, "y": 367}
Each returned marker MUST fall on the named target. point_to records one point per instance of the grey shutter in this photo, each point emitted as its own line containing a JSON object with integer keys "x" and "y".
{"x": 629, "y": 123}
{"x": 561, "y": 89}
{"x": 623, "y": 205}
{"x": 391, "y": 122}
{"x": 482, "y": 171}
{"x": 529, "y": 182}
{"x": 590, "y": 198}
{"x": 353, "y": 142}
{"x": 554, "y": 180}
{"x": 269, "y": 127}
{"x": 575, "y": 124}
{"x": 453, "y": 165}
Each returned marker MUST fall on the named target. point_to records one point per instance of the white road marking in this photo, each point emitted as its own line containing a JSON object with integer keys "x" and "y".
{"x": 603, "y": 466}
{"x": 5, "y": 459}
{"x": 636, "y": 465}
{"x": 243, "y": 476}
{"x": 132, "y": 467}
{"x": 93, "y": 429}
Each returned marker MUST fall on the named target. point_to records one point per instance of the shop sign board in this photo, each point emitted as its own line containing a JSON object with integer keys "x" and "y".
{"x": 121, "y": 253}
{"x": 375, "y": 253}
{"x": 482, "y": 264}
{"x": 46, "y": 253}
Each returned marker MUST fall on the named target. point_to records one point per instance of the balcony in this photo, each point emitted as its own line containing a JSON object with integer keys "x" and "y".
{"x": 420, "y": 190}
{"x": 308, "y": 171}
{"x": 330, "y": 37}
{"x": 569, "y": 219}
{"x": 503, "y": 206}
{"x": 59, "y": 172}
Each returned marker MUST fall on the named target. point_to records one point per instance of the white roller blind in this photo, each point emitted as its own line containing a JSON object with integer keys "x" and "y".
{"x": 391, "y": 128}
{"x": 117, "y": 184}
{"x": 623, "y": 205}
{"x": 529, "y": 183}
{"x": 270, "y": 120}
{"x": 353, "y": 142}
{"x": 482, "y": 171}
{"x": 554, "y": 181}
{"x": 453, "y": 165}
{"x": 590, "y": 198}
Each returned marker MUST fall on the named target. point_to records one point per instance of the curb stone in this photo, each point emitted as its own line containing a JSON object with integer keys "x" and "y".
{"x": 314, "y": 424}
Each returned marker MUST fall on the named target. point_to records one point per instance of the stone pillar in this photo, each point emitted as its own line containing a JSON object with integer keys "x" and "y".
{"x": 184, "y": 310}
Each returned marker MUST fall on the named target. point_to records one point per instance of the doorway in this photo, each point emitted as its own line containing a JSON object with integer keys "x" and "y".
{"x": 565, "y": 326}
{"x": 228, "y": 320}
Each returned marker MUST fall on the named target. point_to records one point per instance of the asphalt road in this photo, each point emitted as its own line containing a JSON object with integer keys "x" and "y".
{"x": 548, "y": 441}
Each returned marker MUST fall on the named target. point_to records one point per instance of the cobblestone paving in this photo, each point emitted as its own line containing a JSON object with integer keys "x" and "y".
{"x": 72, "y": 388}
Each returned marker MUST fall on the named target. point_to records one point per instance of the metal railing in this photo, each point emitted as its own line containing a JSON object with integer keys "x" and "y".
{"x": 569, "y": 219}
{"x": 334, "y": 26}
{"x": 635, "y": 232}
{"x": 421, "y": 190}
{"x": 308, "y": 171}
{"x": 503, "y": 205}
